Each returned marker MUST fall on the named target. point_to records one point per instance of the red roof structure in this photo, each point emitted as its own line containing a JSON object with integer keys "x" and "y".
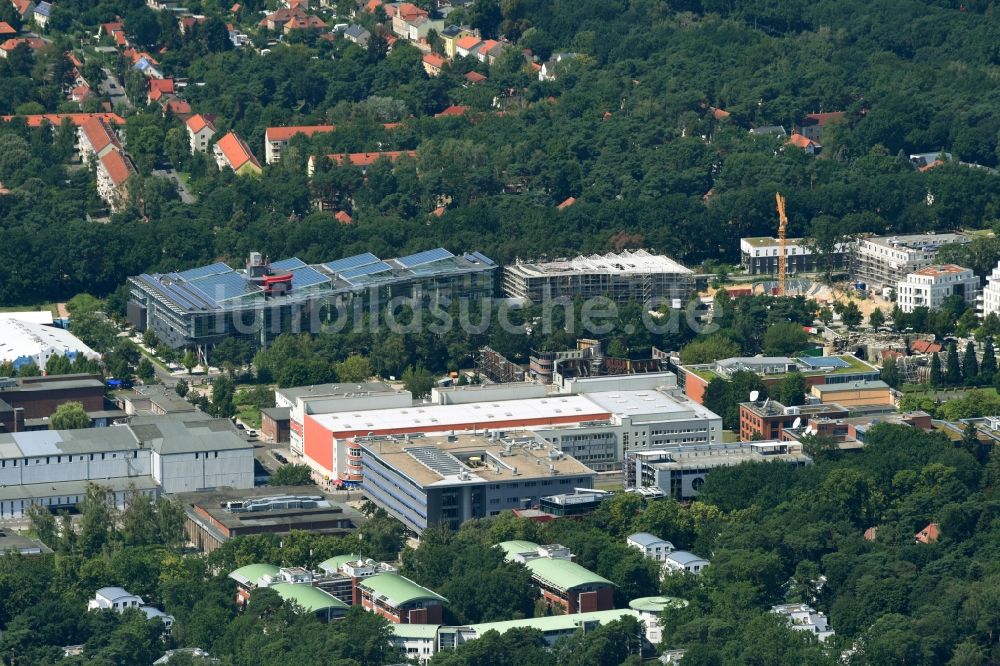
{"x": 119, "y": 166}
{"x": 78, "y": 119}
{"x": 367, "y": 159}
{"x": 236, "y": 151}
{"x": 198, "y": 122}
{"x": 929, "y": 534}
{"x": 343, "y": 217}
{"x": 6, "y": 29}
{"x": 99, "y": 134}
{"x": 567, "y": 203}
{"x": 454, "y": 110}
{"x": 474, "y": 77}
{"x": 286, "y": 133}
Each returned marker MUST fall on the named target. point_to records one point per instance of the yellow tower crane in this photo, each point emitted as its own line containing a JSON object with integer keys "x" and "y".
{"x": 782, "y": 228}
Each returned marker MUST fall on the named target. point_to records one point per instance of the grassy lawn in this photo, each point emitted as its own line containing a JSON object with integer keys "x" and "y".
{"x": 922, "y": 391}
{"x": 249, "y": 415}
{"x": 730, "y": 436}
{"x": 51, "y": 307}
{"x": 185, "y": 178}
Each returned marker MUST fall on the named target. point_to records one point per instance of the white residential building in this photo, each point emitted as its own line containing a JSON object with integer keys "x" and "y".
{"x": 120, "y": 600}
{"x": 682, "y": 560}
{"x": 884, "y": 261}
{"x": 804, "y": 618}
{"x": 200, "y": 131}
{"x": 930, "y": 286}
{"x": 651, "y": 546}
{"x": 991, "y": 293}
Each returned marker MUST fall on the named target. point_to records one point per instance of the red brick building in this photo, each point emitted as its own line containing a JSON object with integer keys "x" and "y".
{"x": 400, "y": 600}
{"x": 38, "y": 397}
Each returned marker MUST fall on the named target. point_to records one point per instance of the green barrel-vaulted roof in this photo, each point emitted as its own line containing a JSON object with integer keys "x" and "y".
{"x": 310, "y": 598}
{"x": 336, "y": 561}
{"x": 397, "y": 590}
{"x": 251, "y": 573}
{"x": 516, "y": 546}
{"x": 563, "y": 574}
{"x": 553, "y": 623}
{"x": 656, "y": 604}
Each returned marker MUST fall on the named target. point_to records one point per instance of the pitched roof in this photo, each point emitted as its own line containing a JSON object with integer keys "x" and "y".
{"x": 161, "y": 86}
{"x": 367, "y": 159}
{"x": 6, "y": 29}
{"x": 78, "y": 119}
{"x": 453, "y": 110}
{"x": 286, "y": 133}
{"x": 397, "y": 590}
{"x": 343, "y": 217}
{"x": 563, "y": 574}
{"x": 487, "y": 45}
{"x": 800, "y": 141}
{"x": 434, "y": 60}
{"x": 198, "y": 122}
{"x": 99, "y": 134}
{"x": 822, "y": 119}
{"x": 474, "y": 77}
{"x": 439, "y": 211}
{"x": 33, "y": 43}
{"x": 645, "y": 539}
{"x": 409, "y": 11}
{"x": 719, "y": 114}
{"x": 567, "y": 203}
{"x": 467, "y": 42}
{"x": 22, "y": 6}
{"x": 118, "y": 166}
{"x": 236, "y": 151}
{"x": 929, "y": 534}
{"x": 177, "y": 106}
{"x": 684, "y": 558}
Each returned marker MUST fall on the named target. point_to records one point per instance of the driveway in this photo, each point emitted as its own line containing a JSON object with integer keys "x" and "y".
{"x": 112, "y": 87}
{"x": 171, "y": 174}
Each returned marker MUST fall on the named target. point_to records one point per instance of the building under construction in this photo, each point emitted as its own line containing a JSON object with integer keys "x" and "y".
{"x": 587, "y": 360}
{"x": 627, "y": 276}
{"x": 494, "y": 366}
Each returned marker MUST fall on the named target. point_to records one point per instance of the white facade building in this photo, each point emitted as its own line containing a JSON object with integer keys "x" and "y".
{"x": 991, "y": 293}
{"x": 804, "y": 618}
{"x": 651, "y": 546}
{"x": 930, "y": 286}
{"x": 53, "y": 468}
{"x": 682, "y": 560}
{"x": 120, "y": 600}
{"x": 884, "y": 261}
{"x": 23, "y": 342}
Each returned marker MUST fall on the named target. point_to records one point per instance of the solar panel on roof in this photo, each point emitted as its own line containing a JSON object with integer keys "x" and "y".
{"x": 224, "y": 287}
{"x": 479, "y": 256}
{"x": 351, "y": 262}
{"x": 287, "y": 264}
{"x": 195, "y": 273}
{"x": 436, "y": 460}
{"x": 177, "y": 296}
{"x": 371, "y": 269}
{"x": 307, "y": 277}
{"x": 427, "y": 257}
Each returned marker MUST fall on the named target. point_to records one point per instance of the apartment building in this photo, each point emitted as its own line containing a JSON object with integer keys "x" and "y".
{"x": 884, "y": 261}
{"x": 930, "y": 286}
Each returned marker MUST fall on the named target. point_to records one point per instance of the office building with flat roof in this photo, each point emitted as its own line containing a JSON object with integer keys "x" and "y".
{"x": 214, "y": 517}
{"x": 200, "y": 307}
{"x": 626, "y": 276}
{"x": 445, "y": 480}
{"x": 759, "y": 256}
{"x": 681, "y": 472}
{"x": 767, "y": 419}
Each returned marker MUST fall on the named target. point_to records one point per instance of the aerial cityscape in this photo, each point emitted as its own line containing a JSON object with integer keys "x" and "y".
{"x": 499, "y": 332}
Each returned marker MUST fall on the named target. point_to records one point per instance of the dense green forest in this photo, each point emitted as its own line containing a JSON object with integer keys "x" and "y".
{"x": 626, "y": 129}
{"x": 773, "y": 534}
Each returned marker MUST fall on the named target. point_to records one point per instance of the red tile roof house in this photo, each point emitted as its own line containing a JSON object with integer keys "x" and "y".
{"x": 200, "y": 131}
{"x": 113, "y": 172}
{"x": 6, "y": 30}
{"x": 77, "y": 119}
{"x": 566, "y": 204}
{"x": 808, "y": 145}
{"x": 474, "y": 77}
{"x": 33, "y": 43}
{"x": 343, "y": 217}
{"x": 360, "y": 160}
{"x": 929, "y": 534}
{"x": 158, "y": 88}
{"x": 277, "y": 138}
{"x": 453, "y": 111}
{"x": 433, "y": 64}
{"x": 815, "y": 124}
{"x": 233, "y": 152}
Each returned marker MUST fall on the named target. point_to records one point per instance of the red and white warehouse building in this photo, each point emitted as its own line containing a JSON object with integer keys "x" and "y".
{"x": 328, "y": 438}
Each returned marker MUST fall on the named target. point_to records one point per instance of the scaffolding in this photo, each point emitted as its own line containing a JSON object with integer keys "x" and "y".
{"x": 494, "y": 366}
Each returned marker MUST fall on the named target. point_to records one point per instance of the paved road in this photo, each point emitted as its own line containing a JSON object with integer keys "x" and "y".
{"x": 112, "y": 87}
{"x": 170, "y": 174}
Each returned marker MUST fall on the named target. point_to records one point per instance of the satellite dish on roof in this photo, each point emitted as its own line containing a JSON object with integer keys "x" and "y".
{"x": 754, "y": 395}
{"x": 797, "y": 422}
